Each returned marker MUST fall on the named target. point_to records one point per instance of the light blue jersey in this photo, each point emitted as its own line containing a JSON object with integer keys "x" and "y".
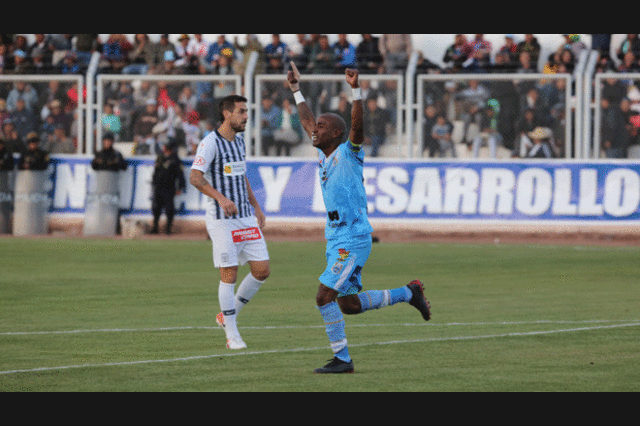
{"x": 343, "y": 192}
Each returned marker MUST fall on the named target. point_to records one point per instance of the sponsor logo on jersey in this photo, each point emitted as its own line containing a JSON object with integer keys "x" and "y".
{"x": 236, "y": 168}
{"x": 240, "y": 235}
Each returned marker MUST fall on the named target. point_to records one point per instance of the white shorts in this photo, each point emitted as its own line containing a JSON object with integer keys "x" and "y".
{"x": 236, "y": 241}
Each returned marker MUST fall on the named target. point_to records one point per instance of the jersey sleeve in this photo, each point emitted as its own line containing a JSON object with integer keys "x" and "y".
{"x": 205, "y": 154}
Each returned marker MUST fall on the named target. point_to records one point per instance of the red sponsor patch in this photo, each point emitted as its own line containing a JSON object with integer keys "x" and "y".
{"x": 199, "y": 161}
{"x": 240, "y": 235}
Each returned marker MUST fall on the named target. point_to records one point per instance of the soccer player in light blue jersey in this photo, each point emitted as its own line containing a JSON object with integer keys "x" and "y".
{"x": 347, "y": 231}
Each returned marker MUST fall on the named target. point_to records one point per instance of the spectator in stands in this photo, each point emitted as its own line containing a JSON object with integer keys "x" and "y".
{"x": 614, "y": 133}
{"x": 488, "y": 131}
{"x": 288, "y": 131}
{"x": 343, "y": 109}
{"x": 526, "y": 124}
{"x": 20, "y": 63}
{"x": 428, "y": 142}
{"x": 531, "y": 46}
{"x": 300, "y": 51}
{"x": 631, "y": 119}
{"x": 541, "y": 147}
{"x": 252, "y": 45}
{"x": 43, "y": 48}
{"x": 323, "y": 58}
{"x": 61, "y": 42}
{"x": 20, "y": 43}
{"x": 86, "y": 44}
{"x": 182, "y": 54}
{"x": 111, "y": 122}
{"x": 441, "y": 133}
{"x": 59, "y": 115}
{"x": 24, "y": 120}
{"x": 457, "y": 53}
{"x": 368, "y": 54}
{"x": 115, "y": 53}
{"x": 510, "y": 51}
{"x": 144, "y": 141}
{"x": 475, "y": 93}
{"x": 575, "y": 44}
{"x": 141, "y": 56}
{"x": 59, "y": 142}
{"x": 376, "y": 120}
{"x": 70, "y": 64}
{"x": 480, "y": 52}
{"x": 277, "y": 49}
{"x": 395, "y": 50}
{"x": 159, "y": 50}
{"x": 38, "y": 64}
{"x": 33, "y": 158}
{"x": 269, "y": 122}
{"x": 630, "y": 44}
{"x": 345, "y": 54}
{"x": 220, "y": 47}
{"x": 224, "y": 66}
{"x": 198, "y": 47}
{"x": 605, "y": 63}
{"x": 12, "y": 141}
{"x": 629, "y": 63}
{"x": 108, "y": 158}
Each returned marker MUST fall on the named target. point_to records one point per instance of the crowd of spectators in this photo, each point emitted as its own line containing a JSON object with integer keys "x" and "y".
{"x": 153, "y": 113}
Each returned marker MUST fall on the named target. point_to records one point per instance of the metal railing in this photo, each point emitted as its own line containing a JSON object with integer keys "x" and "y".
{"x": 80, "y": 106}
{"x": 582, "y": 110}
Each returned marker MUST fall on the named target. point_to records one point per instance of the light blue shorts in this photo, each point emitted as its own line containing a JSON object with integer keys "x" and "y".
{"x": 345, "y": 260}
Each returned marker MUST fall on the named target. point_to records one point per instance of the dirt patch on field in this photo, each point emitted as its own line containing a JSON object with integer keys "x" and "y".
{"x": 398, "y": 232}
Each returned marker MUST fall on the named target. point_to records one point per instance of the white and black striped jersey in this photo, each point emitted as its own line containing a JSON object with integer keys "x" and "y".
{"x": 224, "y": 166}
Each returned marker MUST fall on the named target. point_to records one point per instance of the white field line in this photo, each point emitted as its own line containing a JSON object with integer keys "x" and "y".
{"x": 277, "y": 351}
{"x": 287, "y": 327}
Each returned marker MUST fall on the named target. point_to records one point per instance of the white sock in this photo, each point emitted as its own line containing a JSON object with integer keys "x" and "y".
{"x": 247, "y": 289}
{"x": 228, "y": 308}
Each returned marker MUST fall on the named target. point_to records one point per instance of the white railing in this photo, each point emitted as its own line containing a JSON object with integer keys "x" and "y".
{"x": 583, "y": 93}
{"x": 77, "y": 79}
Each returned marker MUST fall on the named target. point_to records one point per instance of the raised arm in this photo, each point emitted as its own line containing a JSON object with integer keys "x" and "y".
{"x": 357, "y": 121}
{"x": 307, "y": 119}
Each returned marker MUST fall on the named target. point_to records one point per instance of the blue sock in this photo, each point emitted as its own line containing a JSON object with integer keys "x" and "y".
{"x": 334, "y": 325}
{"x": 376, "y": 299}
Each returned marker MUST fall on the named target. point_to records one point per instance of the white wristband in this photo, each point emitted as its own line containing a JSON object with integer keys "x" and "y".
{"x": 298, "y": 97}
{"x": 356, "y": 94}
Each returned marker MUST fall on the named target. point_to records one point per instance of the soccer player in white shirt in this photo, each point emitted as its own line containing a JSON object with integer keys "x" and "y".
{"x": 219, "y": 172}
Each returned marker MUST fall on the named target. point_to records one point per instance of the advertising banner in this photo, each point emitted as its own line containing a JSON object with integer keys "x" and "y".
{"x": 554, "y": 190}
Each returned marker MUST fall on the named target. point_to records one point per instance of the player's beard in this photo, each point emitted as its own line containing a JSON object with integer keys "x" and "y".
{"x": 239, "y": 127}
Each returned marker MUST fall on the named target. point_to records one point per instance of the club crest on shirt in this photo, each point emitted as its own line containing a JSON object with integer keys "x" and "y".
{"x": 344, "y": 254}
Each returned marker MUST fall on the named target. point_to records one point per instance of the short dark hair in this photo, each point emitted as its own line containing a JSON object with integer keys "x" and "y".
{"x": 228, "y": 103}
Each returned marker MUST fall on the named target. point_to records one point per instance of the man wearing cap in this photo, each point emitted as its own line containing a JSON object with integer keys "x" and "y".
{"x": 33, "y": 158}
{"x": 168, "y": 181}
{"x": 542, "y": 147}
{"x": 108, "y": 158}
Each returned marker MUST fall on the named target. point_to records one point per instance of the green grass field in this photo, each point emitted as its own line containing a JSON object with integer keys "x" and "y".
{"x": 138, "y": 315}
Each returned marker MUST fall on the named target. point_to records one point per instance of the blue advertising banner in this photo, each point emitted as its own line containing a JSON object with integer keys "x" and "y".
{"x": 553, "y": 190}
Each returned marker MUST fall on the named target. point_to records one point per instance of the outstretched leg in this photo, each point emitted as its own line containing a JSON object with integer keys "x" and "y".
{"x": 412, "y": 293}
